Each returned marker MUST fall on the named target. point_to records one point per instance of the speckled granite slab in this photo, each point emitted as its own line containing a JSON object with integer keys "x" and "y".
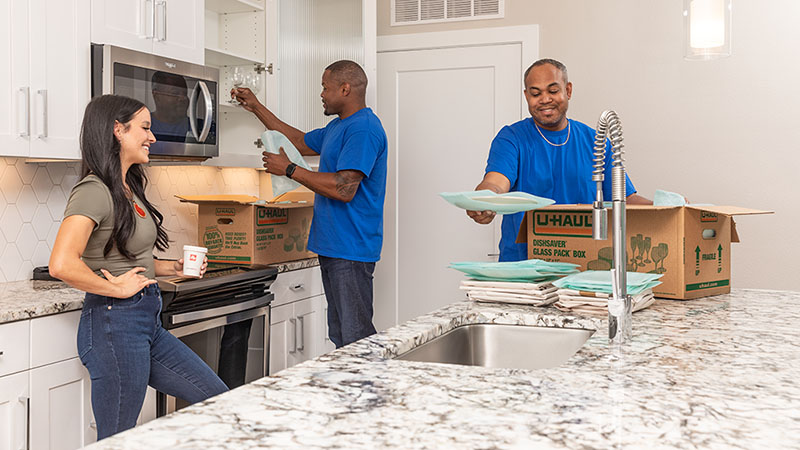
{"x": 21, "y": 300}
{"x": 711, "y": 373}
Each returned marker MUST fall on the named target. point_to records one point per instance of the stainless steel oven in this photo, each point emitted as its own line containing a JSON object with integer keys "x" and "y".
{"x": 223, "y": 317}
{"x": 182, "y": 98}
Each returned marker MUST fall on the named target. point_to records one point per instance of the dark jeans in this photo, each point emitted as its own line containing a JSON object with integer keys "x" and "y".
{"x": 125, "y": 348}
{"x": 348, "y": 289}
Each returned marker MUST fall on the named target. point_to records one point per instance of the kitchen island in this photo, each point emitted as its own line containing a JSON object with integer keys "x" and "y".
{"x": 719, "y": 372}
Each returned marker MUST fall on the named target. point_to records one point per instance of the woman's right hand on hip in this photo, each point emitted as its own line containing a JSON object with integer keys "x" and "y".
{"x": 129, "y": 283}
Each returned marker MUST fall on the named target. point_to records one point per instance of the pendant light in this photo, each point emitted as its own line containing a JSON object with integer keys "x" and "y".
{"x": 707, "y": 29}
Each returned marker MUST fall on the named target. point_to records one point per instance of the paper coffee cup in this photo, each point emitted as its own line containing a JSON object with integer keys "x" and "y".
{"x": 193, "y": 260}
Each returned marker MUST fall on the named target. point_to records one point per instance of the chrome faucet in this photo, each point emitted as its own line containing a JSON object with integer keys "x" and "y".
{"x": 619, "y": 304}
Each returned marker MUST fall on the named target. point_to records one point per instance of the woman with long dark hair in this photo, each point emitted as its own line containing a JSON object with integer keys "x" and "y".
{"x": 105, "y": 248}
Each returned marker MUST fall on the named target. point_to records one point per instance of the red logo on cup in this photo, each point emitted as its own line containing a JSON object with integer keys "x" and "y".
{"x": 192, "y": 257}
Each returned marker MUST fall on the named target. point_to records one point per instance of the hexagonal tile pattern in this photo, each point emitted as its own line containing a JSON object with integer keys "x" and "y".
{"x": 27, "y": 203}
{"x": 25, "y": 271}
{"x": 10, "y": 262}
{"x": 11, "y": 184}
{"x": 56, "y": 172}
{"x": 51, "y": 235}
{"x": 41, "y": 184}
{"x": 10, "y": 223}
{"x": 34, "y": 196}
{"x": 26, "y": 170}
{"x": 42, "y": 222}
{"x": 41, "y": 254}
{"x": 26, "y": 241}
{"x": 56, "y": 202}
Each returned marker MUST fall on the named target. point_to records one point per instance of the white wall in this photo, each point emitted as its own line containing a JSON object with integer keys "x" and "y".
{"x": 722, "y": 132}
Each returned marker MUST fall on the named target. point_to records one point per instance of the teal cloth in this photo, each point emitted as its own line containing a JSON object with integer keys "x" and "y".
{"x": 486, "y": 200}
{"x": 600, "y": 281}
{"x": 273, "y": 141}
{"x": 666, "y": 198}
{"x": 528, "y": 270}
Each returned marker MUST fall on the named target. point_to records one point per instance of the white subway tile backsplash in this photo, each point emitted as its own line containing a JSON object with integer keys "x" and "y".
{"x": 34, "y": 196}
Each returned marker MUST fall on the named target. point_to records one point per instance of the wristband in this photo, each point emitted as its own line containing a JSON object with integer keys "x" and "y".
{"x": 290, "y": 170}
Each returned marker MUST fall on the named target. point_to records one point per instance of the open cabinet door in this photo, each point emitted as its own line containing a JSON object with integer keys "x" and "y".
{"x": 304, "y": 37}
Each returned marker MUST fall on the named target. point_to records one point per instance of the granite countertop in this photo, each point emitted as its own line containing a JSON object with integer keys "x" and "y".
{"x": 719, "y": 372}
{"x": 20, "y": 300}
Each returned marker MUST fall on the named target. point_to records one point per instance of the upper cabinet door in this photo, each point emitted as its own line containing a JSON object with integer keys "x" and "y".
{"x": 60, "y": 76}
{"x": 124, "y": 23}
{"x": 179, "y": 30}
{"x": 14, "y": 78}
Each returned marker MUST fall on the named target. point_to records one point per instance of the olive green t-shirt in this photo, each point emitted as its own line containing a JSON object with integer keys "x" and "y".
{"x": 91, "y": 198}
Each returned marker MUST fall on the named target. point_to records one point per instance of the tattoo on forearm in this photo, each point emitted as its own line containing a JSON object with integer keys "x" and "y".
{"x": 347, "y": 182}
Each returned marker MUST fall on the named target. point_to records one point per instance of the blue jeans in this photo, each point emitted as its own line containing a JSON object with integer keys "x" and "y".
{"x": 123, "y": 345}
{"x": 348, "y": 289}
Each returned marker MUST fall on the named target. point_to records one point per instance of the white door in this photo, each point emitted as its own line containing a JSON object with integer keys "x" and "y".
{"x": 60, "y": 408}
{"x": 124, "y": 23}
{"x": 441, "y": 108}
{"x": 14, "y": 411}
{"x": 14, "y": 78}
{"x": 179, "y": 30}
{"x": 60, "y": 76}
{"x": 324, "y": 343}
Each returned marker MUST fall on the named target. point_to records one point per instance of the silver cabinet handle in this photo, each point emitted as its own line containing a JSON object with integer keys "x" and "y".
{"x": 297, "y": 287}
{"x": 26, "y": 91}
{"x": 93, "y": 424}
{"x": 162, "y": 5}
{"x": 302, "y": 345}
{"x": 27, "y": 402}
{"x": 294, "y": 335}
{"x": 149, "y": 27}
{"x": 43, "y": 94}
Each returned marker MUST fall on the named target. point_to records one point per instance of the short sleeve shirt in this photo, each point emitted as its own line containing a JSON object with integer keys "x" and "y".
{"x": 559, "y": 172}
{"x": 91, "y": 198}
{"x": 351, "y": 230}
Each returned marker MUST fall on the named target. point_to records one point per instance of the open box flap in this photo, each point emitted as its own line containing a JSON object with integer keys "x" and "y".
{"x": 729, "y": 210}
{"x": 224, "y": 198}
{"x": 300, "y": 196}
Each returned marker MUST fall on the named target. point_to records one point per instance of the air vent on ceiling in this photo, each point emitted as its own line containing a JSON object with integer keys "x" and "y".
{"x": 408, "y": 12}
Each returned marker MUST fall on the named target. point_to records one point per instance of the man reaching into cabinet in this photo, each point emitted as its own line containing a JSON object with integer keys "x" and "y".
{"x": 347, "y": 229}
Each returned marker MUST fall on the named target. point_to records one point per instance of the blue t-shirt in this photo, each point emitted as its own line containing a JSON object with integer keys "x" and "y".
{"x": 563, "y": 173}
{"x": 351, "y": 230}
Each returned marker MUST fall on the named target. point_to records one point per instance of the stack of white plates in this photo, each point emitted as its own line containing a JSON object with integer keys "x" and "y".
{"x": 536, "y": 294}
{"x": 596, "y": 303}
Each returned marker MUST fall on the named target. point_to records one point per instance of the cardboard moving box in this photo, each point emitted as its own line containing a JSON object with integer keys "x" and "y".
{"x": 236, "y": 229}
{"x": 690, "y": 245}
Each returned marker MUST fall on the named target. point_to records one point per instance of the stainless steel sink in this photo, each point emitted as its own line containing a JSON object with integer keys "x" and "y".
{"x": 502, "y": 346}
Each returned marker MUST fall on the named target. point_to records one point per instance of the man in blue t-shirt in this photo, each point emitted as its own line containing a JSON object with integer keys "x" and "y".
{"x": 546, "y": 155}
{"x": 347, "y": 229}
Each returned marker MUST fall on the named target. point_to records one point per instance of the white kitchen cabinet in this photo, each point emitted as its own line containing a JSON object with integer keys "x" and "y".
{"x": 295, "y": 333}
{"x": 14, "y": 396}
{"x": 298, "y": 324}
{"x": 169, "y": 28}
{"x": 60, "y": 406}
{"x": 45, "y": 52}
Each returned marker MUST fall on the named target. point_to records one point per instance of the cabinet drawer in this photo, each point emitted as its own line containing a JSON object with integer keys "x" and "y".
{"x": 296, "y": 285}
{"x": 14, "y": 347}
{"x": 54, "y": 338}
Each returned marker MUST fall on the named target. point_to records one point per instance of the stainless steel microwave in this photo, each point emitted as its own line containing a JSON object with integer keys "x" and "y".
{"x": 182, "y": 98}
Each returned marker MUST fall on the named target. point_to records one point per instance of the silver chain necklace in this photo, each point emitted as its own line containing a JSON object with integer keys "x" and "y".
{"x": 569, "y": 129}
